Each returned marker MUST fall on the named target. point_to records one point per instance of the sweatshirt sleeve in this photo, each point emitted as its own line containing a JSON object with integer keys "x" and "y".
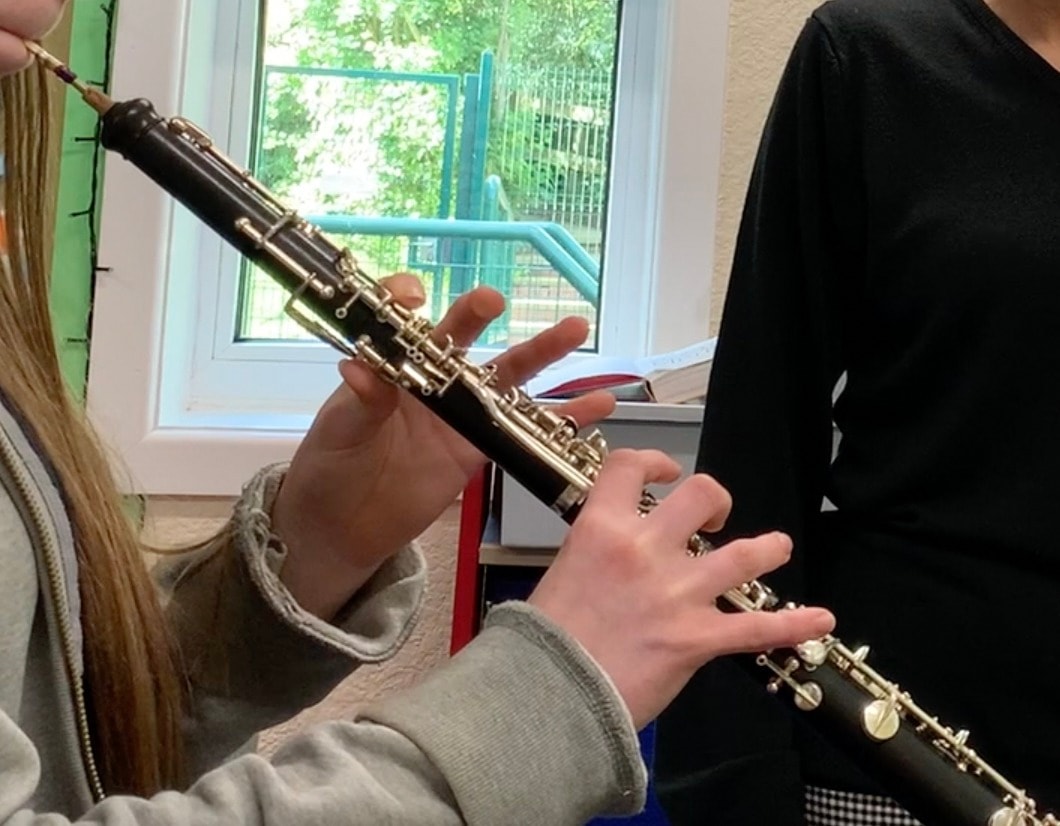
{"x": 521, "y": 727}
{"x": 252, "y": 656}
{"x": 767, "y": 428}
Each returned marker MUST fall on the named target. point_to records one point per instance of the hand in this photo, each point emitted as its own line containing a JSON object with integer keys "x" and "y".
{"x": 624, "y": 586}
{"x": 21, "y": 20}
{"x": 377, "y": 467}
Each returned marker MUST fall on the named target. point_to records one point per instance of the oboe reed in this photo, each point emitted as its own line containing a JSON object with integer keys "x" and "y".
{"x": 94, "y": 97}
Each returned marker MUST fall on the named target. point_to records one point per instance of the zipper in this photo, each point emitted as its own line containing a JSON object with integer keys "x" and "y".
{"x": 49, "y": 545}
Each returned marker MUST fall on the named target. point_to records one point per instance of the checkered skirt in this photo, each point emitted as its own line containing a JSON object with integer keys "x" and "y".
{"x": 826, "y": 807}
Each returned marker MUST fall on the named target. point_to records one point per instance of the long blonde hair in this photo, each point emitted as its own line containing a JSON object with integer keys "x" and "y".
{"x": 134, "y": 692}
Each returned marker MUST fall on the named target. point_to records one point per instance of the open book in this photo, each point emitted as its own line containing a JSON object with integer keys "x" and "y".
{"x": 673, "y": 377}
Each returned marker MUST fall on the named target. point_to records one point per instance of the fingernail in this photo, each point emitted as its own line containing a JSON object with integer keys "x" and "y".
{"x": 824, "y": 617}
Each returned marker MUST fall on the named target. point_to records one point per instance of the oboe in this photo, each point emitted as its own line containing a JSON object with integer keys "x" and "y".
{"x": 928, "y": 767}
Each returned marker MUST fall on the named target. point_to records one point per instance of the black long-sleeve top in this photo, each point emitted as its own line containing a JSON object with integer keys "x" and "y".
{"x": 903, "y": 228}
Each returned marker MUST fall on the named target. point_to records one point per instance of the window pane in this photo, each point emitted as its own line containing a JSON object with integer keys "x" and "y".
{"x": 467, "y": 141}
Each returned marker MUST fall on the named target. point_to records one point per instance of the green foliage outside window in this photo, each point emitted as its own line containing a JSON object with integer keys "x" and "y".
{"x": 341, "y": 134}
{"x": 312, "y": 120}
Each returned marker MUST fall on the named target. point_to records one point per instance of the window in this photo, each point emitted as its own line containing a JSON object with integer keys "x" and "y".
{"x": 195, "y": 377}
{"x": 500, "y": 126}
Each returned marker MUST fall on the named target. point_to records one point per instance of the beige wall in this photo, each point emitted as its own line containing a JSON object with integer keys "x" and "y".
{"x": 761, "y": 34}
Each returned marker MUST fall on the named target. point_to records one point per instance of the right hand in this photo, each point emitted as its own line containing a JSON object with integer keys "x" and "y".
{"x": 624, "y": 586}
{"x": 21, "y": 20}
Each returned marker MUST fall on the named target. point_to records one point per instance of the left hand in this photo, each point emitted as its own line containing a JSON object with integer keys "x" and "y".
{"x": 377, "y": 467}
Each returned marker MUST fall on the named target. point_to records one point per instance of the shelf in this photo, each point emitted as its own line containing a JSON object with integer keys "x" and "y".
{"x": 490, "y": 554}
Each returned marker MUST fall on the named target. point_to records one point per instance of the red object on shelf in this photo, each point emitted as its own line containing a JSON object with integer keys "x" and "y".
{"x": 466, "y": 590}
{"x": 586, "y": 384}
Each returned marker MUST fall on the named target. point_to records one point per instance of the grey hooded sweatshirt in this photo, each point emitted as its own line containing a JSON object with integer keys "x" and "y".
{"x": 520, "y": 729}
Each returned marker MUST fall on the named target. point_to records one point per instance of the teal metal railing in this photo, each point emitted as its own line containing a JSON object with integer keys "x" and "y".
{"x": 550, "y": 140}
{"x": 477, "y": 235}
{"x": 448, "y": 84}
{"x": 497, "y": 260}
{"x": 549, "y": 240}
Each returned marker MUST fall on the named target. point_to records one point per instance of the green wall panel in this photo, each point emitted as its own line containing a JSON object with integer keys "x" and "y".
{"x": 72, "y": 263}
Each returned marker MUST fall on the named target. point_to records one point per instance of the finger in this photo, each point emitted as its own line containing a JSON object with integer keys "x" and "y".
{"x": 31, "y": 20}
{"x": 469, "y": 315}
{"x": 588, "y": 409}
{"x": 624, "y": 475}
{"x": 14, "y": 57}
{"x": 766, "y": 630}
{"x": 699, "y": 502}
{"x": 406, "y": 288}
{"x": 742, "y": 560}
{"x": 529, "y": 358}
{"x": 365, "y": 402}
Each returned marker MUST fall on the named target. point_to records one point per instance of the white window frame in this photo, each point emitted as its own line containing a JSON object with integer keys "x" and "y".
{"x": 154, "y": 318}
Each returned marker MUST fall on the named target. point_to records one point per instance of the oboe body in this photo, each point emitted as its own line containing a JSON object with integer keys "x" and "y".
{"x": 928, "y": 767}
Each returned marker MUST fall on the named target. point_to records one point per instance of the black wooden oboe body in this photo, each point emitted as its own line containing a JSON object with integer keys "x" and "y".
{"x": 926, "y": 766}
